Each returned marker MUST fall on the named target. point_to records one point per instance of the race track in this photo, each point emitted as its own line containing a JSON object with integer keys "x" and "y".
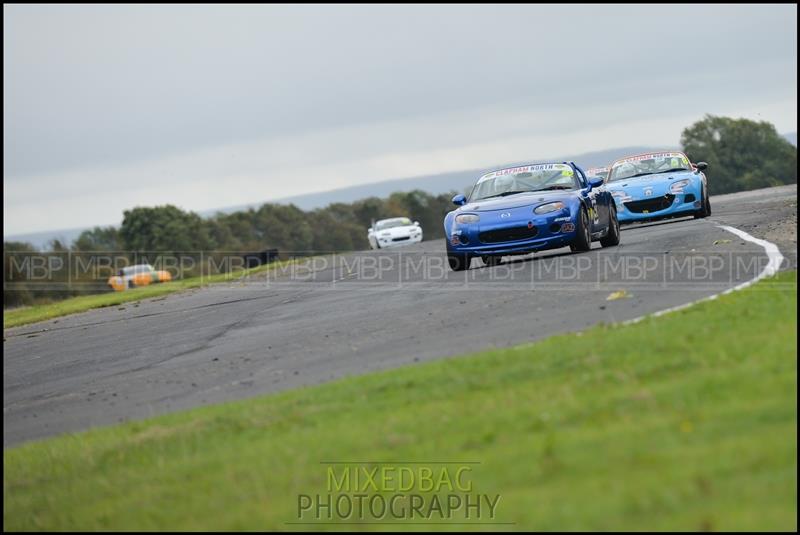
{"x": 354, "y": 313}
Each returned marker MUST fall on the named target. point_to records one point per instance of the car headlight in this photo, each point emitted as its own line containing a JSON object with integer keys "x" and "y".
{"x": 467, "y": 218}
{"x": 677, "y": 187}
{"x": 549, "y": 207}
{"x": 621, "y": 196}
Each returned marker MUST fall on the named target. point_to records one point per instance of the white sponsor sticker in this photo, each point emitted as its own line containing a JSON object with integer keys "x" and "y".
{"x": 651, "y": 156}
{"x": 527, "y": 169}
{"x": 594, "y": 170}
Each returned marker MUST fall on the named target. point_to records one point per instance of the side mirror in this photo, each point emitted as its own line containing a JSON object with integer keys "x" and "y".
{"x": 702, "y": 166}
{"x": 416, "y": 223}
{"x": 460, "y": 199}
{"x": 595, "y": 182}
{"x": 369, "y": 230}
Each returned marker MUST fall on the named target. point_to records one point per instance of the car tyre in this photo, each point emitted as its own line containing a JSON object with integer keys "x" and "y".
{"x": 611, "y": 239}
{"x": 458, "y": 262}
{"x": 491, "y": 260}
{"x": 583, "y": 241}
{"x": 705, "y": 210}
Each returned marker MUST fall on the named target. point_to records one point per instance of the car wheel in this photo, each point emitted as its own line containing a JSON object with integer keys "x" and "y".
{"x": 458, "y": 262}
{"x": 583, "y": 241}
{"x": 131, "y": 284}
{"x": 491, "y": 260}
{"x": 612, "y": 238}
{"x": 705, "y": 210}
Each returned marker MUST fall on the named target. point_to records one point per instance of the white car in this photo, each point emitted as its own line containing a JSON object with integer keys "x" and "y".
{"x": 394, "y": 232}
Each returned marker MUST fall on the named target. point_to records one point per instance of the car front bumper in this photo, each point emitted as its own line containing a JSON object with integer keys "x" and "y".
{"x": 399, "y": 241}
{"x": 667, "y": 205}
{"x": 551, "y": 233}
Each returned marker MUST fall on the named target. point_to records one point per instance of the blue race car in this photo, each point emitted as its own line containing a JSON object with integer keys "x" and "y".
{"x": 529, "y": 208}
{"x": 657, "y": 185}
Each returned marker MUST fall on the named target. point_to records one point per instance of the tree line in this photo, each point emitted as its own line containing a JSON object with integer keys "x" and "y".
{"x": 172, "y": 231}
{"x": 742, "y": 154}
{"x": 336, "y": 227}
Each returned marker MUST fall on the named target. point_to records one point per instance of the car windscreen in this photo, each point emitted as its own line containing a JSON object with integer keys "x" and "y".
{"x": 648, "y": 164}
{"x": 540, "y": 177}
{"x": 391, "y": 223}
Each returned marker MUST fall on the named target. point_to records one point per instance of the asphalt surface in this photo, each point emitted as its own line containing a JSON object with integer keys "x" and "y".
{"x": 340, "y": 315}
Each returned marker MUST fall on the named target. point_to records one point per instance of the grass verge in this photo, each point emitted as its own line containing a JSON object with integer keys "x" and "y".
{"x": 72, "y": 305}
{"x": 687, "y": 421}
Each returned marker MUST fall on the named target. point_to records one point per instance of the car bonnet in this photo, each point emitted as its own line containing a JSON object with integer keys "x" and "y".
{"x": 515, "y": 201}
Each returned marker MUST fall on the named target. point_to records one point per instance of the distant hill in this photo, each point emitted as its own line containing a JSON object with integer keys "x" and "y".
{"x": 41, "y": 240}
{"x": 437, "y": 183}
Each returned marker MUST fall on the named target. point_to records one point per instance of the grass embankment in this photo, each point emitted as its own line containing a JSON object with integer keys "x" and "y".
{"x": 72, "y": 305}
{"x": 687, "y": 421}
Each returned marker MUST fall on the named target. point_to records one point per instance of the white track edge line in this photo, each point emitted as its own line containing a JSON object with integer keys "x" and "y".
{"x": 772, "y": 267}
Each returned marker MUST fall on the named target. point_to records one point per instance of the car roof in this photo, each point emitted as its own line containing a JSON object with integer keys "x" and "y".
{"x": 138, "y": 267}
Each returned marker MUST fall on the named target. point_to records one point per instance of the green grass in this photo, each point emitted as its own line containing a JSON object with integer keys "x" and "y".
{"x": 72, "y": 305}
{"x": 687, "y": 421}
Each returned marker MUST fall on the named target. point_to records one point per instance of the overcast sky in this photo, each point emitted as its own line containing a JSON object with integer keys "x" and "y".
{"x": 110, "y": 107}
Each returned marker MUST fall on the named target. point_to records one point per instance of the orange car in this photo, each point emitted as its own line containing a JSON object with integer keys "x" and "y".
{"x": 138, "y": 275}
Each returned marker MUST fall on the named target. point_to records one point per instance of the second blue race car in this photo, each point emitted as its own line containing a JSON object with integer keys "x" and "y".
{"x": 529, "y": 208}
{"x": 657, "y": 185}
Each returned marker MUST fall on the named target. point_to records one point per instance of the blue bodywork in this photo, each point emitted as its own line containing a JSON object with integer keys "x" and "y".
{"x": 658, "y": 195}
{"x": 508, "y": 225}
